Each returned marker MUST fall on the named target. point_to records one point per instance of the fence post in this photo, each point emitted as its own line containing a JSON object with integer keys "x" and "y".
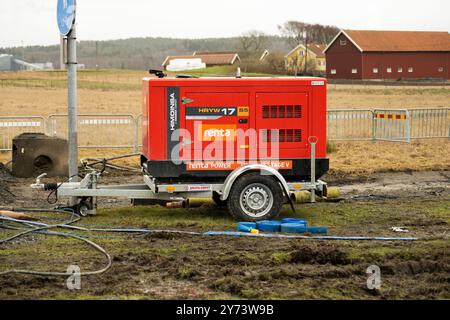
{"x": 136, "y": 134}
{"x": 448, "y": 119}
{"x": 408, "y": 127}
{"x": 374, "y": 126}
{"x": 312, "y": 141}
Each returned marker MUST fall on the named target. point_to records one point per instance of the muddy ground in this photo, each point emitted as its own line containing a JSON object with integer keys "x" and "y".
{"x": 16, "y": 192}
{"x": 168, "y": 266}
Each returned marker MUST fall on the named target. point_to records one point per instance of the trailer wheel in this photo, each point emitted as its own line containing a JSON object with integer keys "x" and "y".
{"x": 219, "y": 202}
{"x": 255, "y": 197}
{"x": 83, "y": 209}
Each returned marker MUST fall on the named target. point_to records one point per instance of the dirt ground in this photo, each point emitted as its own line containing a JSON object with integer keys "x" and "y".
{"x": 168, "y": 266}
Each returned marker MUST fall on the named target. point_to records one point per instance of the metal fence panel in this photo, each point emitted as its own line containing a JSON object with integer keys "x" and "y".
{"x": 139, "y": 125}
{"x": 430, "y": 123}
{"x": 14, "y": 126}
{"x": 392, "y": 125}
{"x": 350, "y": 125}
{"x": 125, "y": 131}
{"x": 98, "y": 130}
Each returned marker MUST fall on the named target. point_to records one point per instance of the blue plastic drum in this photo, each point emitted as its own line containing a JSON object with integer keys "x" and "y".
{"x": 294, "y": 220}
{"x": 293, "y": 228}
{"x": 269, "y": 226}
{"x": 251, "y": 225}
{"x": 246, "y": 226}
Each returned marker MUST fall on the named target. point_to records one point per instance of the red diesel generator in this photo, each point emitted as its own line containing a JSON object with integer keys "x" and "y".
{"x": 247, "y": 143}
{"x": 199, "y": 130}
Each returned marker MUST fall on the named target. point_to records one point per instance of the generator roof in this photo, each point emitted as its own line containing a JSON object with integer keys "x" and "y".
{"x": 210, "y": 58}
{"x": 232, "y": 81}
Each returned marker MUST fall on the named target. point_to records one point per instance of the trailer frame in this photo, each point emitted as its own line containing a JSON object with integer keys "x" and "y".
{"x": 88, "y": 190}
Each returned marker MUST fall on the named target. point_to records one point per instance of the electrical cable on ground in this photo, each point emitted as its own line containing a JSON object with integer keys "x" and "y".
{"x": 54, "y": 191}
{"x": 43, "y": 228}
{"x": 90, "y": 163}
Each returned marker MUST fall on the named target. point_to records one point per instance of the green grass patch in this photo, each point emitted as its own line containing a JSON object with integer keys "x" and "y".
{"x": 441, "y": 211}
{"x": 203, "y": 219}
{"x": 279, "y": 258}
{"x": 331, "y": 147}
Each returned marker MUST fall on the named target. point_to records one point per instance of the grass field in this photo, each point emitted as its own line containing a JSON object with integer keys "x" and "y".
{"x": 118, "y": 91}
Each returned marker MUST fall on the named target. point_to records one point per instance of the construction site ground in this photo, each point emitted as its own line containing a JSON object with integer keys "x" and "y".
{"x": 179, "y": 266}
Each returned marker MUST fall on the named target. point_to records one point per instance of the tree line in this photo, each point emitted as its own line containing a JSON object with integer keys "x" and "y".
{"x": 144, "y": 53}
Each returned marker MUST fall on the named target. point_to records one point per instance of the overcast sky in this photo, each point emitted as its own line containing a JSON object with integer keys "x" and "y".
{"x": 33, "y": 22}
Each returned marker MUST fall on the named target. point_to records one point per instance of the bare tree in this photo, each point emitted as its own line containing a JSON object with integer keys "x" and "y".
{"x": 316, "y": 33}
{"x": 297, "y": 32}
{"x": 293, "y": 31}
{"x": 252, "y": 43}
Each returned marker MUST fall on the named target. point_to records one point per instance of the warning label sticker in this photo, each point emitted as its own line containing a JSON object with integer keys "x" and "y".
{"x": 229, "y": 166}
{"x": 214, "y": 113}
{"x": 199, "y": 188}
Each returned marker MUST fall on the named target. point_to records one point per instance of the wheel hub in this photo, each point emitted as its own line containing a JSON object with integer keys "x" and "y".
{"x": 256, "y": 200}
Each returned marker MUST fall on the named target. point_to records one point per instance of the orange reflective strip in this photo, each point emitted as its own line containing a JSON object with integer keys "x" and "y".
{"x": 391, "y": 116}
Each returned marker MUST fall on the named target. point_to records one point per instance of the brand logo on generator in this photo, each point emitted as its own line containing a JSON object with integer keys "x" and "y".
{"x": 224, "y": 132}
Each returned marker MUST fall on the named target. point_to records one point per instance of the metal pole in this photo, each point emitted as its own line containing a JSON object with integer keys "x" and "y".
{"x": 62, "y": 65}
{"x": 313, "y": 170}
{"x": 23, "y": 51}
{"x": 306, "y": 53}
{"x": 72, "y": 107}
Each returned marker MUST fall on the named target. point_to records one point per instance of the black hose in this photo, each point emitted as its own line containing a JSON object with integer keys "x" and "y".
{"x": 105, "y": 163}
{"x": 43, "y": 229}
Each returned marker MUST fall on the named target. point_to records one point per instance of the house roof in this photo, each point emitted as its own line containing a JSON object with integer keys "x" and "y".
{"x": 396, "y": 41}
{"x": 315, "y": 49}
{"x": 170, "y": 58}
{"x": 219, "y": 58}
{"x": 201, "y": 53}
{"x": 209, "y": 58}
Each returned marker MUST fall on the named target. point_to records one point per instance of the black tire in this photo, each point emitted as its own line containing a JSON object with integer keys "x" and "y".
{"x": 83, "y": 208}
{"x": 261, "y": 186}
{"x": 218, "y": 201}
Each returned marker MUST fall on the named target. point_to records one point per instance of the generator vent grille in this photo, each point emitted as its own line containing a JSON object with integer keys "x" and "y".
{"x": 282, "y": 112}
{"x": 282, "y": 135}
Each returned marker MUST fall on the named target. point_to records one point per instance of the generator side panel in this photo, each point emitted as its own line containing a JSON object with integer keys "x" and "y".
{"x": 157, "y": 124}
{"x": 145, "y": 134}
{"x": 282, "y": 116}
{"x": 319, "y": 119}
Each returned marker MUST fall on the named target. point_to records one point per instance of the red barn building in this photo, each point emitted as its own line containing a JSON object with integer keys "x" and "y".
{"x": 377, "y": 55}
